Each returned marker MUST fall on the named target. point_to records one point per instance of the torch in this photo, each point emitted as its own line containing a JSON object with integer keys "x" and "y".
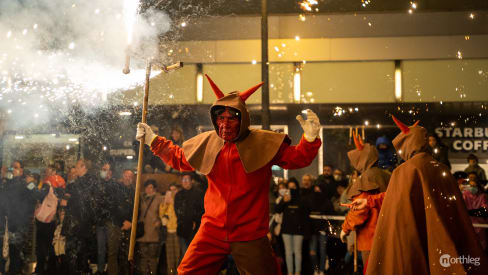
{"x": 135, "y": 212}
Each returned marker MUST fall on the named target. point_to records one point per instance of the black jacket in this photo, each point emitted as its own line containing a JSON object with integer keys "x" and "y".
{"x": 328, "y": 186}
{"x": 19, "y": 202}
{"x": 295, "y": 215}
{"x": 189, "y": 209}
{"x": 318, "y": 205}
{"x": 81, "y": 209}
{"x": 121, "y": 202}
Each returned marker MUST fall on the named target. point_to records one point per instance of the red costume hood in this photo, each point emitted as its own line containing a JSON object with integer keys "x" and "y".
{"x": 256, "y": 147}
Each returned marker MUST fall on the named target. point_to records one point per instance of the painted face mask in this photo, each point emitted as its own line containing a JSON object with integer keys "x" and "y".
{"x": 228, "y": 123}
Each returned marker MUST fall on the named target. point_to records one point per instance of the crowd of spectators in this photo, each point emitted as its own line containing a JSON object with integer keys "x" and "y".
{"x": 79, "y": 219}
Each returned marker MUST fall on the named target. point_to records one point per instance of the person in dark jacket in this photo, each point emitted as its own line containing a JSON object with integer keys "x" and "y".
{"x": 438, "y": 150}
{"x": 295, "y": 225}
{"x": 20, "y": 200}
{"x": 189, "y": 210}
{"x": 105, "y": 198}
{"x": 120, "y": 197}
{"x": 79, "y": 217}
{"x": 318, "y": 237}
{"x": 327, "y": 183}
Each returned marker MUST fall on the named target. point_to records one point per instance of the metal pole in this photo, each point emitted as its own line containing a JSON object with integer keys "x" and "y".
{"x": 265, "y": 114}
{"x": 135, "y": 212}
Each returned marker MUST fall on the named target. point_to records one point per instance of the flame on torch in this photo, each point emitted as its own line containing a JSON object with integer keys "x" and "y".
{"x": 130, "y": 13}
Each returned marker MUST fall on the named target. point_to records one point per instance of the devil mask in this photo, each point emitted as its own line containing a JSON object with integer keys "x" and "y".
{"x": 231, "y": 123}
{"x": 228, "y": 121}
{"x": 229, "y": 113}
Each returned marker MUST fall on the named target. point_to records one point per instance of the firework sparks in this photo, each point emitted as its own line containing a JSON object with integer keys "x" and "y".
{"x": 365, "y": 3}
{"x": 41, "y": 63}
{"x": 130, "y": 15}
{"x": 307, "y": 5}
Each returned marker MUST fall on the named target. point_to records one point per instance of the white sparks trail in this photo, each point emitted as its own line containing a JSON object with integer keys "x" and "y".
{"x": 67, "y": 53}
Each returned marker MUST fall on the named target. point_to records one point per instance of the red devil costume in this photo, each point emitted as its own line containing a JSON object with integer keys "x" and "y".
{"x": 423, "y": 226}
{"x": 237, "y": 162}
{"x": 372, "y": 181}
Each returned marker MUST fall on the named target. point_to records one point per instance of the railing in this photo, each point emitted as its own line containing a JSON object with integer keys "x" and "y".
{"x": 341, "y": 218}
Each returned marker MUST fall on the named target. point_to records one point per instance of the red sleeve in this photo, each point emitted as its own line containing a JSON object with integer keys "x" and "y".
{"x": 356, "y": 218}
{"x": 297, "y": 156}
{"x": 375, "y": 201}
{"x": 171, "y": 154}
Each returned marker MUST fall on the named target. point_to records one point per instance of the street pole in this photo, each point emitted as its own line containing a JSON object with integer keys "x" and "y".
{"x": 265, "y": 114}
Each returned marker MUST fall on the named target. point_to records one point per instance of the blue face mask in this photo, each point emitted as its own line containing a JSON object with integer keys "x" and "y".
{"x": 472, "y": 189}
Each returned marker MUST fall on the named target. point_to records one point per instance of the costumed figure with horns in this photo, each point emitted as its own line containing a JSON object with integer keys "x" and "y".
{"x": 237, "y": 162}
{"x": 423, "y": 225}
{"x": 373, "y": 180}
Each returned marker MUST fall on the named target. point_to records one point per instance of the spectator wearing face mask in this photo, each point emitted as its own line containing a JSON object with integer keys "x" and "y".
{"x": 105, "y": 200}
{"x": 473, "y": 167}
{"x": 475, "y": 199}
{"x": 294, "y": 227}
{"x": 339, "y": 177}
{"x": 19, "y": 201}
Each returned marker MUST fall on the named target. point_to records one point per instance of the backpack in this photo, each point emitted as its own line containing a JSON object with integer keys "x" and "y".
{"x": 46, "y": 212}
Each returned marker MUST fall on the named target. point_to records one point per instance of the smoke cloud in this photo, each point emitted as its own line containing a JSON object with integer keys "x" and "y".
{"x": 70, "y": 52}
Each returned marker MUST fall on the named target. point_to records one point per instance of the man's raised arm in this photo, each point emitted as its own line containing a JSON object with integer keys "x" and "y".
{"x": 170, "y": 153}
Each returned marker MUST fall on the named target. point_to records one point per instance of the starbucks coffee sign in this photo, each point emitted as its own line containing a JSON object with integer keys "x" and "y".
{"x": 465, "y": 139}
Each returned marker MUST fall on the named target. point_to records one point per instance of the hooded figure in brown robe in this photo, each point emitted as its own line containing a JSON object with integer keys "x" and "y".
{"x": 372, "y": 181}
{"x": 363, "y": 159}
{"x": 423, "y": 226}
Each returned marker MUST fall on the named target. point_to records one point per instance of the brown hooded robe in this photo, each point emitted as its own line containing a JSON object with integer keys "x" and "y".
{"x": 423, "y": 217}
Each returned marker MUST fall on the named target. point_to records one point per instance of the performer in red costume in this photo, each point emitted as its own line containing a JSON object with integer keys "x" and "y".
{"x": 237, "y": 162}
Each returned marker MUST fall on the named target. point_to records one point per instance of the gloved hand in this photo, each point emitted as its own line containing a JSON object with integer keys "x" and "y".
{"x": 343, "y": 236}
{"x": 311, "y": 126}
{"x": 144, "y": 131}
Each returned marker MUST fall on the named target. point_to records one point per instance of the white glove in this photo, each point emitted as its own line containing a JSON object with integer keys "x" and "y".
{"x": 164, "y": 221}
{"x": 144, "y": 131}
{"x": 344, "y": 236}
{"x": 311, "y": 126}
